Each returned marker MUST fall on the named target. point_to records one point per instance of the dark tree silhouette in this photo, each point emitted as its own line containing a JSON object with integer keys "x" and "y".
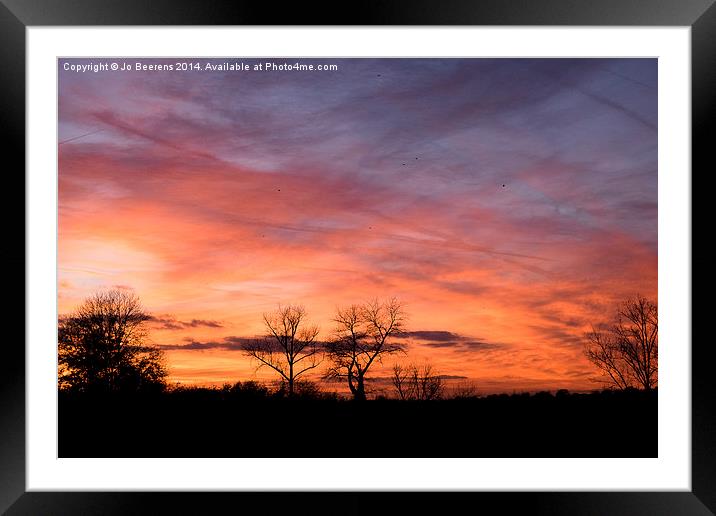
{"x": 289, "y": 348}
{"x": 363, "y": 337}
{"x": 101, "y": 346}
{"x": 627, "y": 352}
{"x": 464, "y": 390}
{"x": 417, "y": 383}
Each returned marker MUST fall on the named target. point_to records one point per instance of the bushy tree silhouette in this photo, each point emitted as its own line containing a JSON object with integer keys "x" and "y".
{"x": 101, "y": 346}
{"x": 627, "y": 352}
{"x": 363, "y": 337}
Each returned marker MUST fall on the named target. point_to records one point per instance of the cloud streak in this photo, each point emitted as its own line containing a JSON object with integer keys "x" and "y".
{"x": 168, "y": 322}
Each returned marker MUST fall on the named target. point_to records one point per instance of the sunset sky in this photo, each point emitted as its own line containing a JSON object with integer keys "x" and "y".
{"x": 507, "y": 203}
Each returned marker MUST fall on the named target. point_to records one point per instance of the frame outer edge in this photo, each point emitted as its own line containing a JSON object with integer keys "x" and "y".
{"x": 12, "y": 377}
{"x": 703, "y": 113}
{"x": 369, "y": 12}
{"x": 12, "y": 388}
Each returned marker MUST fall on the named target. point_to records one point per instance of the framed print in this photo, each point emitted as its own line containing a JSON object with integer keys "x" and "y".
{"x": 432, "y": 251}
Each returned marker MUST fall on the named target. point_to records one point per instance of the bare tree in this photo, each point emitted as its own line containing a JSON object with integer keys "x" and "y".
{"x": 417, "y": 383}
{"x": 363, "y": 337}
{"x": 602, "y": 350}
{"x": 401, "y": 382}
{"x": 101, "y": 346}
{"x": 289, "y": 347}
{"x": 627, "y": 352}
{"x": 465, "y": 389}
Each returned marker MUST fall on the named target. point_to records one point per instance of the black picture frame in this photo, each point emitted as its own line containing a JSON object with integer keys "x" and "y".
{"x": 17, "y": 15}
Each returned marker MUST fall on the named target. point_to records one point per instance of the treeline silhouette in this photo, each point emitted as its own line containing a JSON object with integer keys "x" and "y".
{"x": 114, "y": 400}
{"x": 249, "y": 420}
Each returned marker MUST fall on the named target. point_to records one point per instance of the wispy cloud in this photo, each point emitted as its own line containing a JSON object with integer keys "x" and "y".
{"x": 168, "y": 322}
{"x": 230, "y": 343}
